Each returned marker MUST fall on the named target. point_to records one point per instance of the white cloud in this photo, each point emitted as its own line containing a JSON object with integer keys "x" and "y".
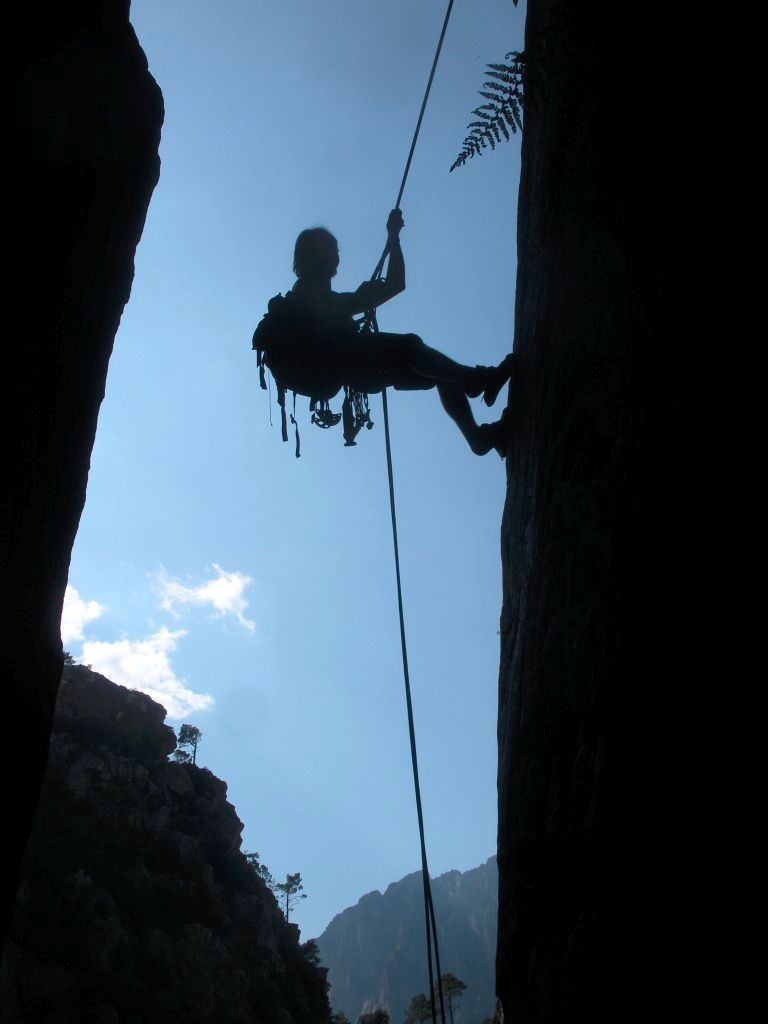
{"x": 145, "y": 665}
{"x": 224, "y": 594}
{"x": 76, "y": 615}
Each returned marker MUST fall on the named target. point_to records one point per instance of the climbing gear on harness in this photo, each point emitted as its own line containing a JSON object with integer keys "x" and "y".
{"x": 295, "y": 351}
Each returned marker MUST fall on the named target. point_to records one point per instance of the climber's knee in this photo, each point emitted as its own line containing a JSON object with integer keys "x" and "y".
{"x": 412, "y": 344}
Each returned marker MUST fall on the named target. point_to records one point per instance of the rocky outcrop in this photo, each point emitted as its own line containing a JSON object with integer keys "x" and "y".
{"x": 136, "y": 903}
{"x": 375, "y": 952}
{"x": 82, "y": 163}
{"x": 605, "y": 588}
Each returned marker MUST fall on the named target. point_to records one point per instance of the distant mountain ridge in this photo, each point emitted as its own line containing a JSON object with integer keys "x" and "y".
{"x": 375, "y": 951}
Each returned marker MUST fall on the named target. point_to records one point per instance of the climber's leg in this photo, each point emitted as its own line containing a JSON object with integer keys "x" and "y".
{"x": 435, "y": 365}
{"x": 394, "y": 351}
{"x": 480, "y": 437}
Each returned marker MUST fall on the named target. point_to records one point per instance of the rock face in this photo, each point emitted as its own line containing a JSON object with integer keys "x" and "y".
{"x": 375, "y": 952}
{"x": 83, "y": 162}
{"x": 136, "y": 904}
{"x": 602, "y": 533}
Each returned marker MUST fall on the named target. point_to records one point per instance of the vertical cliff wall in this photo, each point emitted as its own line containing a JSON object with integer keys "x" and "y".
{"x": 601, "y": 532}
{"x": 375, "y": 950}
{"x": 83, "y": 163}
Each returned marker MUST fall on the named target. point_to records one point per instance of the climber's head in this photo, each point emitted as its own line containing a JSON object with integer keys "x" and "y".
{"x": 316, "y": 255}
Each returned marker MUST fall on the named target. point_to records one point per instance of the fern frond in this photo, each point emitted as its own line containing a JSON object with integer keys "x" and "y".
{"x": 494, "y": 76}
{"x": 502, "y": 114}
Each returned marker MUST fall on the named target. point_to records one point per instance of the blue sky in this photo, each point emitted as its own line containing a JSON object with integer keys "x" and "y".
{"x": 253, "y": 593}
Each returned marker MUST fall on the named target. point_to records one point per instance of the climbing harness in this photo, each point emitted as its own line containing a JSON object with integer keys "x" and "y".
{"x": 286, "y": 345}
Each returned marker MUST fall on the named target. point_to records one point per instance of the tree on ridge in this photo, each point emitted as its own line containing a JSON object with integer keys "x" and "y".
{"x": 453, "y": 989}
{"x": 189, "y": 736}
{"x": 290, "y": 891}
{"x": 419, "y": 1010}
{"x": 261, "y": 869}
{"x": 377, "y": 1016}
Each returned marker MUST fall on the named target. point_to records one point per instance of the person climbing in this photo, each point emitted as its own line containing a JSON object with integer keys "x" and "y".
{"x": 314, "y": 347}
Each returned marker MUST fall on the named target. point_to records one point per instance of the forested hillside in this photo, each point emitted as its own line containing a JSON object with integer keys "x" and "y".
{"x": 136, "y": 901}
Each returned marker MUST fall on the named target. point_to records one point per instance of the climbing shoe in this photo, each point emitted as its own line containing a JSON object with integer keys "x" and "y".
{"x": 492, "y": 435}
{"x": 499, "y": 375}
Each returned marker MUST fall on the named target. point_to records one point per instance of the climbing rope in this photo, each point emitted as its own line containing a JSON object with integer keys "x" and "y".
{"x": 380, "y": 265}
{"x": 371, "y": 323}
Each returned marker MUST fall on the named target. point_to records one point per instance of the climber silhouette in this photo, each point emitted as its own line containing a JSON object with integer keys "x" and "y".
{"x": 313, "y": 346}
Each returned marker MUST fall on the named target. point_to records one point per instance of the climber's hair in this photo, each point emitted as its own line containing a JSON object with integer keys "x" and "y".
{"x": 316, "y": 253}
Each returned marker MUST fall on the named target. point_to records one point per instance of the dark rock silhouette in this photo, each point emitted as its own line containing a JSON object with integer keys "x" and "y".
{"x": 135, "y": 899}
{"x": 375, "y": 952}
{"x": 603, "y": 541}
{"x": 84, "y": 142}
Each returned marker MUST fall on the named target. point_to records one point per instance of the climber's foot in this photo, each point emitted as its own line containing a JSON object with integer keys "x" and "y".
{"x": 481, "y": 375}
{"x": 499, "y": 375}
{"x": 483, "y": 378}
{"x": 491, "y": 435}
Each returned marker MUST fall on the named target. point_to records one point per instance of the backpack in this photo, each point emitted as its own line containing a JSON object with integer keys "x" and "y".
{"x": 290, "y": 344}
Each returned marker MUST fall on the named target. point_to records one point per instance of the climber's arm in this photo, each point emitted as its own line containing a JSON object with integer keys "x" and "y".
{"x": 373, "y": 293}
{"x": 395, "y": 280}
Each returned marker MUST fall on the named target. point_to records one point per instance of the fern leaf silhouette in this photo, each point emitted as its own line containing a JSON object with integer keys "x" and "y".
{"x": 502, "y": 114}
